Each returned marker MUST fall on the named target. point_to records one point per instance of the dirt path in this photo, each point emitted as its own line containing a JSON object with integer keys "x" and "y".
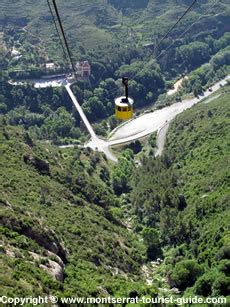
{"x": 176, "y": 86}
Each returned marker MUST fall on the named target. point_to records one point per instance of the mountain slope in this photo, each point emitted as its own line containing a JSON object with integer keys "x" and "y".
{"x": 184, "y": 197}
{"x": 58, "y": 231}
{"x": 92, "y": 27}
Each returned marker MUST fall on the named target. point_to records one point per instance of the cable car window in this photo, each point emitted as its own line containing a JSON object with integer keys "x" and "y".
{"x": 129, "y": 108}
{"x": 119, "y": 109}
{"x": 124, "y": 110}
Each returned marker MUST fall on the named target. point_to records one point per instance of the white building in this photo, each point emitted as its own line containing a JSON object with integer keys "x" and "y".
{"x": 15, "y": 52}
{"x": 50, "y": 65}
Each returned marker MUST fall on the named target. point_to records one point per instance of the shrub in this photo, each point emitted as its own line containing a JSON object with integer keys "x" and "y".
{"x": 203, "y": 285}
{"x": 185, "y": 273}
{"x": 223, "y": 253}
{"x": 224, "y": 266}
{"x": 151, "y": 239}
{"x": 221, "y": 286}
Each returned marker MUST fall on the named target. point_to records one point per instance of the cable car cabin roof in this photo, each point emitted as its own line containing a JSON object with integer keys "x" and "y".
{"x": 119, "y": 103}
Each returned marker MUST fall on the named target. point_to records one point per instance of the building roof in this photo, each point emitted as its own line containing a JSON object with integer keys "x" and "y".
{"x": 50, "y": 65}
{"x": 83, "y": 64}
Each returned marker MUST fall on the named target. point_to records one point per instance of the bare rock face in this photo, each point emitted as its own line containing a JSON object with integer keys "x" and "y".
{"x": 41, "y": 166}
{"x": 6, "y": 204}
{"x": 48, "y": 240}
{"x": 54, "y": 269}
{"x": 10, "y": 253}
{"x": 42, "y": 235}
{"x": 58, "y": 259}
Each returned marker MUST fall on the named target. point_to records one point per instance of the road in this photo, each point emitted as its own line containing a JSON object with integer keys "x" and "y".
{"x": 98, "y": 144}
{"x": 95, "y": 143}
{"x": 155, "y": 121}
{"x": 80, "y": 111}
{"x": 143, "y": 125}
{"x": 161, "y": 138}
{"x": 162, "y": 132}
{"x": 132, "y": 130}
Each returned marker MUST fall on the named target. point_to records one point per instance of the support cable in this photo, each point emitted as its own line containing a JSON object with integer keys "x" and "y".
{"x": 174, "y": 25}
{"x": 64, "y": 37}
{"x": 186, "y": 30}
{"x": 56, "y": 27}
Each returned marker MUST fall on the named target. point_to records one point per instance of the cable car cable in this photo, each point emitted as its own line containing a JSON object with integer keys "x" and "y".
{"x": 56, "y": 27}
{"x": 168, "y": 32}
{"x": 174, "y": 26}
{"x": 64, "y": 37}
{"x": 186, "y": 30}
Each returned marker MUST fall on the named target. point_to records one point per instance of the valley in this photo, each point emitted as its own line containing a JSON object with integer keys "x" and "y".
{"x": 91, "y": 206}
{"x": 63, "y": 195}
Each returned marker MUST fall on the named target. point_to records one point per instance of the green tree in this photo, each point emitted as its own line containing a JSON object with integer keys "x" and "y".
{"x": 185, "y": 273}
{"x": 122, "y": 172}
{"x": 151, "y": 239}
{"x": 197, "y": 88}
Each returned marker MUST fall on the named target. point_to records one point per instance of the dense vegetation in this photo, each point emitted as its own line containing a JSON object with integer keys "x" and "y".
{"x": 53, "y": 204}
{"x": 182, "y": 198}
{"x": 56, "y": 202}
{"x": 117, "y": 38}
{"x": 208, "y": 73}
{"x": 47, "y": 114}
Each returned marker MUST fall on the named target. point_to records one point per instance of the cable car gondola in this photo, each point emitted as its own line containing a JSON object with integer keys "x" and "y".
{"x": 124, "y": 104}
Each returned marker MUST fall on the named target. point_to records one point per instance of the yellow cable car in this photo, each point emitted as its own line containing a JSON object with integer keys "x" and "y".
{"x": 124, "y": 104}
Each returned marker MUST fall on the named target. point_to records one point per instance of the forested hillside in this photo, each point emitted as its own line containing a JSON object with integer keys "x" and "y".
{"x": 69, "y": 214}
{"x": 59, "y": 230}
{"x": 182, "y": 198}
{"x": 117, "y": 38}
{"x": 75, "y": 224}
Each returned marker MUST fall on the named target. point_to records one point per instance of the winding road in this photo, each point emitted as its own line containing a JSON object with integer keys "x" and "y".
{"x": 134, "y": 129}
{"x": 156, "y": 121}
